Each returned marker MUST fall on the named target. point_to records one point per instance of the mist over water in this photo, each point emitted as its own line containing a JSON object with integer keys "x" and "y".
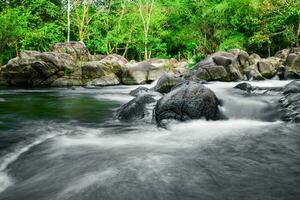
{"x": 64, "y": 144}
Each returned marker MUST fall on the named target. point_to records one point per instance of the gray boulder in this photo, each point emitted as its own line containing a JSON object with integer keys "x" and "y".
{"x": 245, "y": 87}
{"x": 139, "y": 91}
{"x": 190, "y": 100}
{"x": 293, "y": 65}
{"x": 135, "y": 109}
{"x": 166, "y": 82}
{"x": 77, "y": 50}
{"x": 220, "y": 66}
{"x": 39, "y": 69}
{"x": 291, "y": 102}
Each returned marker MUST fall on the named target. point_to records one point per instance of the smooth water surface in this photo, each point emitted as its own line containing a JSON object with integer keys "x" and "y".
{"x": 63, "y": 144}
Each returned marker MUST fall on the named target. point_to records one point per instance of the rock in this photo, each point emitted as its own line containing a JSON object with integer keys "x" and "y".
{"x": 212, "y": 73}
{"x": 293, "y": 64}
{"x": 166, "y": 82}
{"x": 114, "y": 58}
{"x": 66, "y": 82}
{"x": 77, "y": 50}
{"x": 107, "y": 80}
{"x": 139, "y": 91}
{"x": 243, "y": 59}
{"x": 220, "y": 66}
{"x": 139, "y": 73}
{"x": 96, "y": 57}
{"x": 293, "y": 87}
{"x": 181, "y": 69}
{"x": 135, "y": 109}
{"x": 291, "y": 102}
{"x": 281, "y": 72}
{"x": 282, "y": 55}
{"x": 101, "y": 73}
{"x": 190, "y": 100}
{"x": 252, "y": 73}
{"x": 254, "y": 58}
{"x": 266, "y": 69}
{"x": 245, "y": 87}
{"x": 38, "y": 69}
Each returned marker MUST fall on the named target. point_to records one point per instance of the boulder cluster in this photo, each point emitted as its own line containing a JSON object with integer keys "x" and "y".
{"x": 237, "y": 65}
{"x": 178, "y": 100}
{"x": 71, "y": 64}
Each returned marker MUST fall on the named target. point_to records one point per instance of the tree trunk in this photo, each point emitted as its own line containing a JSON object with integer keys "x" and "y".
{"x": 69, "y": 20}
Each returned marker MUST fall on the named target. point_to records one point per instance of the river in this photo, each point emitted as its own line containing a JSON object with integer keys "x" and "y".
{"x": 64, "y": 144}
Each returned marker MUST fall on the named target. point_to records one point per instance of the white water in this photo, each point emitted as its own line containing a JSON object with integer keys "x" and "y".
{"x": 5, "y": 180}
{"x": 96, "y": 159}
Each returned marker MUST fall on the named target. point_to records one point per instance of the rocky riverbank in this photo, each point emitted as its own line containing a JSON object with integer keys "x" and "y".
{"x": 71, "y": 64}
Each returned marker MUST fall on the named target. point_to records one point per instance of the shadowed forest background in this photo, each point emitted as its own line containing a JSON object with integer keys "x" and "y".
{"x": 141, "y": 29}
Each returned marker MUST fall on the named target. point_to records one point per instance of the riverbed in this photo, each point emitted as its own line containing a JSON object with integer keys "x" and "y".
{"x": 65, "y": 144}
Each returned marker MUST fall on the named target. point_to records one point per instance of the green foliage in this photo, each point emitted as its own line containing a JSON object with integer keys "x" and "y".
{"x": 187, "y": 29}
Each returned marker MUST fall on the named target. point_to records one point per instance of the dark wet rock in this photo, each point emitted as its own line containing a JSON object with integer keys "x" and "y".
{"x": 135, "y": 109}
{"x": 291, "y": 102}
{"x": 293, "y": 87}
{"x": 281, "y": 72}
{"x": 245, "y": 87}
{"x": 190, "y": 100}
{"x": 166, "y": 82}
{"x": 139, "y": 91}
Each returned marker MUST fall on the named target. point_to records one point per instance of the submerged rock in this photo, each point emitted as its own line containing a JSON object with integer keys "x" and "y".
{"x": 245, "y": 87}
{"x": 135, "y": 109}
{"x": 190, "y": 100}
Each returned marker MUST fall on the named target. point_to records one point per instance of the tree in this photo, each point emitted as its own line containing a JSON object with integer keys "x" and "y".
{"x": 146, "y": 10}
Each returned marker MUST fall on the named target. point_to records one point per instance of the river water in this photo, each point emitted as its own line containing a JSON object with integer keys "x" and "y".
{"x": 64, "y": 144}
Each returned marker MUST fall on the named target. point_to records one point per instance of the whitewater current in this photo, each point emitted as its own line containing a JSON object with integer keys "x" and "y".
{"x": 60, "y": 144}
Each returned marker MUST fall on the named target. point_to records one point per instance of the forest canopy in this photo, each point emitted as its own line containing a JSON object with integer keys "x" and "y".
{"x": 141, "y": 29}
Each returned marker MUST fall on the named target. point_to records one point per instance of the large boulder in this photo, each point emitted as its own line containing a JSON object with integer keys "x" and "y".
{"x": 268, "y": 67}
{"x": 135, "y": 109}
{"x": 212, "y": 73}
{"x": 101, "y": 73}
{"x": 166, "y": 82}
{"x": 77, "y": 50}
{"x": 242, "y": 57}
{"x": 251, "y": 72}
{"x": 66, "y": 81}
{"x": 291, "y": 102}
{"x": 38, "y": 69}
{"x": 150, "y": 70}
{"x": 190, "y": 100}
{"x": 282, "y": 55}
{"x": 220, "y": 66}
{"x": 293, "y": 65}
{"x": 141, "y": 73}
